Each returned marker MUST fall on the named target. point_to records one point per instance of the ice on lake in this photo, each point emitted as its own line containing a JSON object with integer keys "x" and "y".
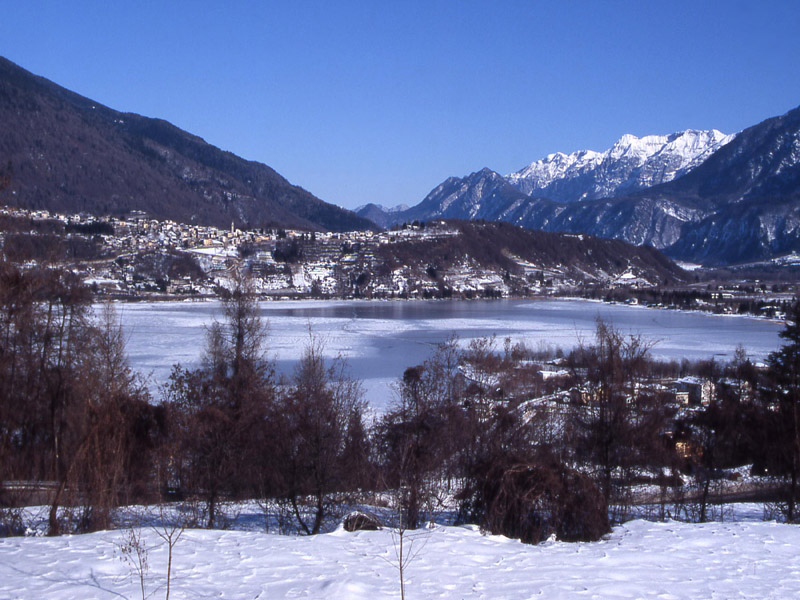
{"x": 380, "y": 339}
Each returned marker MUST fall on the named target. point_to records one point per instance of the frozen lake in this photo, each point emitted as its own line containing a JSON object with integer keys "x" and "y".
{"x": 381, "y": 338}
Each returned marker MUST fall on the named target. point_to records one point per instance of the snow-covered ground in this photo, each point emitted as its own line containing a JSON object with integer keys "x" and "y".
{"x": 668, "y": 561}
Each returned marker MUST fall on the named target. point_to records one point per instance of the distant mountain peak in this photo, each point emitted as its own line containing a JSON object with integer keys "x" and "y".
{"x": 631, "y": 163}
{"x": 375, "y": 205}
{"x": 700, "y": 195}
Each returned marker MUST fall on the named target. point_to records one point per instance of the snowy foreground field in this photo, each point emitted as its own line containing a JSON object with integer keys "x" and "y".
{"x": 668, "y": 561}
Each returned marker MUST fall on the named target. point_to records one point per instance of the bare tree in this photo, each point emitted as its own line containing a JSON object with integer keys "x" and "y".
{"x": 407, "y": 545}
{"x": 170, "y": 531}
{"x": 418, "y": 437}
{"x": 617, "y": 417}
{"x": 111, "y": 396}
{"x": 222, "y": 408}
{"x": 135, "y": 553}
{"x": 321, "y": 420}
{"x": 68, "y": 395}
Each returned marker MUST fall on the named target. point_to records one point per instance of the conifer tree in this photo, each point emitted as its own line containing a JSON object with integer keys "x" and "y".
{"x": 784, "y": 367}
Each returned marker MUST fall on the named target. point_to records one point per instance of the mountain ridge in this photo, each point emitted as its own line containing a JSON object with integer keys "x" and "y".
{"x": 68, "y": 153}
{"x": 688, "y": 206}
{"x": 630, "y": 164}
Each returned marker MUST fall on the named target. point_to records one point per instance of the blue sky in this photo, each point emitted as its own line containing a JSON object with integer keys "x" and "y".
{"x": 379, "y": 102}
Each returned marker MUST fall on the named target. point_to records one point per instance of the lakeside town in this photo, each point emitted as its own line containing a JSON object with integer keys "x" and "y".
{"x": 287, "y": 263}
{"x": 138, "y": 257}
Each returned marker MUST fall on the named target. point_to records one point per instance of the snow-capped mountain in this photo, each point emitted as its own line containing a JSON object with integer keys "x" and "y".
{"x": 631, "y": 164}
{"x": 740, "y": 204}
{"x": 701, "y": 196}
{"x": 484, "y": 194}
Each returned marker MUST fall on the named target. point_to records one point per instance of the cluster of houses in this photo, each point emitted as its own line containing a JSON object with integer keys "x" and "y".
{"x": 317, "y": 264}
{"x": 548, "y": 393}
{"x": 215, "y": 250}
{"x": 294, "y": 263}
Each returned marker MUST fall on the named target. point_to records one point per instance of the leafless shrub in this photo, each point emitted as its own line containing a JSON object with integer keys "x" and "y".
{"x": 532, "y": 502}
{"x": 134, "y": 552}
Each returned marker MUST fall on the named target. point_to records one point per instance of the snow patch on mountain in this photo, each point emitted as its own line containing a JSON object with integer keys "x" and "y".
{"x": 631, "y": 164}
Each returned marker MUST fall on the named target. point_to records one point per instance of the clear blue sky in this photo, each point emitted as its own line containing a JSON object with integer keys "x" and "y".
{"x": 379, "y": 102}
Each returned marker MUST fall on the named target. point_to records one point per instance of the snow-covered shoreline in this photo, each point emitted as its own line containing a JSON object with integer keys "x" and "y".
{"x": 310, "y": 302}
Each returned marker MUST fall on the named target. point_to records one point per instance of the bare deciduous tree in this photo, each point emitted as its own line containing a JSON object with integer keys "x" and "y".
{"x": 617, "y": 417}
{"x": 419, "y": 437}
{"x": 321, "y": 412}
{"x": 222, "y": 408}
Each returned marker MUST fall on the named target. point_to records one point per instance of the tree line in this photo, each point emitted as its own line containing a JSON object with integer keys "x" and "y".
{"x": 476, "y": 430}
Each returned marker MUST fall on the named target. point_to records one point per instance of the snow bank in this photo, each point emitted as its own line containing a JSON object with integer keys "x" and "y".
{"x": 638, "y": 560}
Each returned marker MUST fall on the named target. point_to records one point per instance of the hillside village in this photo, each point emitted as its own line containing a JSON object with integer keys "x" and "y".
{"x": 138, "y": 257}
{"x": 196, "y": 260}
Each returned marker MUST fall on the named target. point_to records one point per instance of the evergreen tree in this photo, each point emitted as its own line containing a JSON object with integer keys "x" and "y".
{"x": 784, "y": 426}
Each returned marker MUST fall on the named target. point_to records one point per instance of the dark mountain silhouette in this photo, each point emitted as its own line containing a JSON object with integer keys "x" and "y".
{"x": 63, "y": 152}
